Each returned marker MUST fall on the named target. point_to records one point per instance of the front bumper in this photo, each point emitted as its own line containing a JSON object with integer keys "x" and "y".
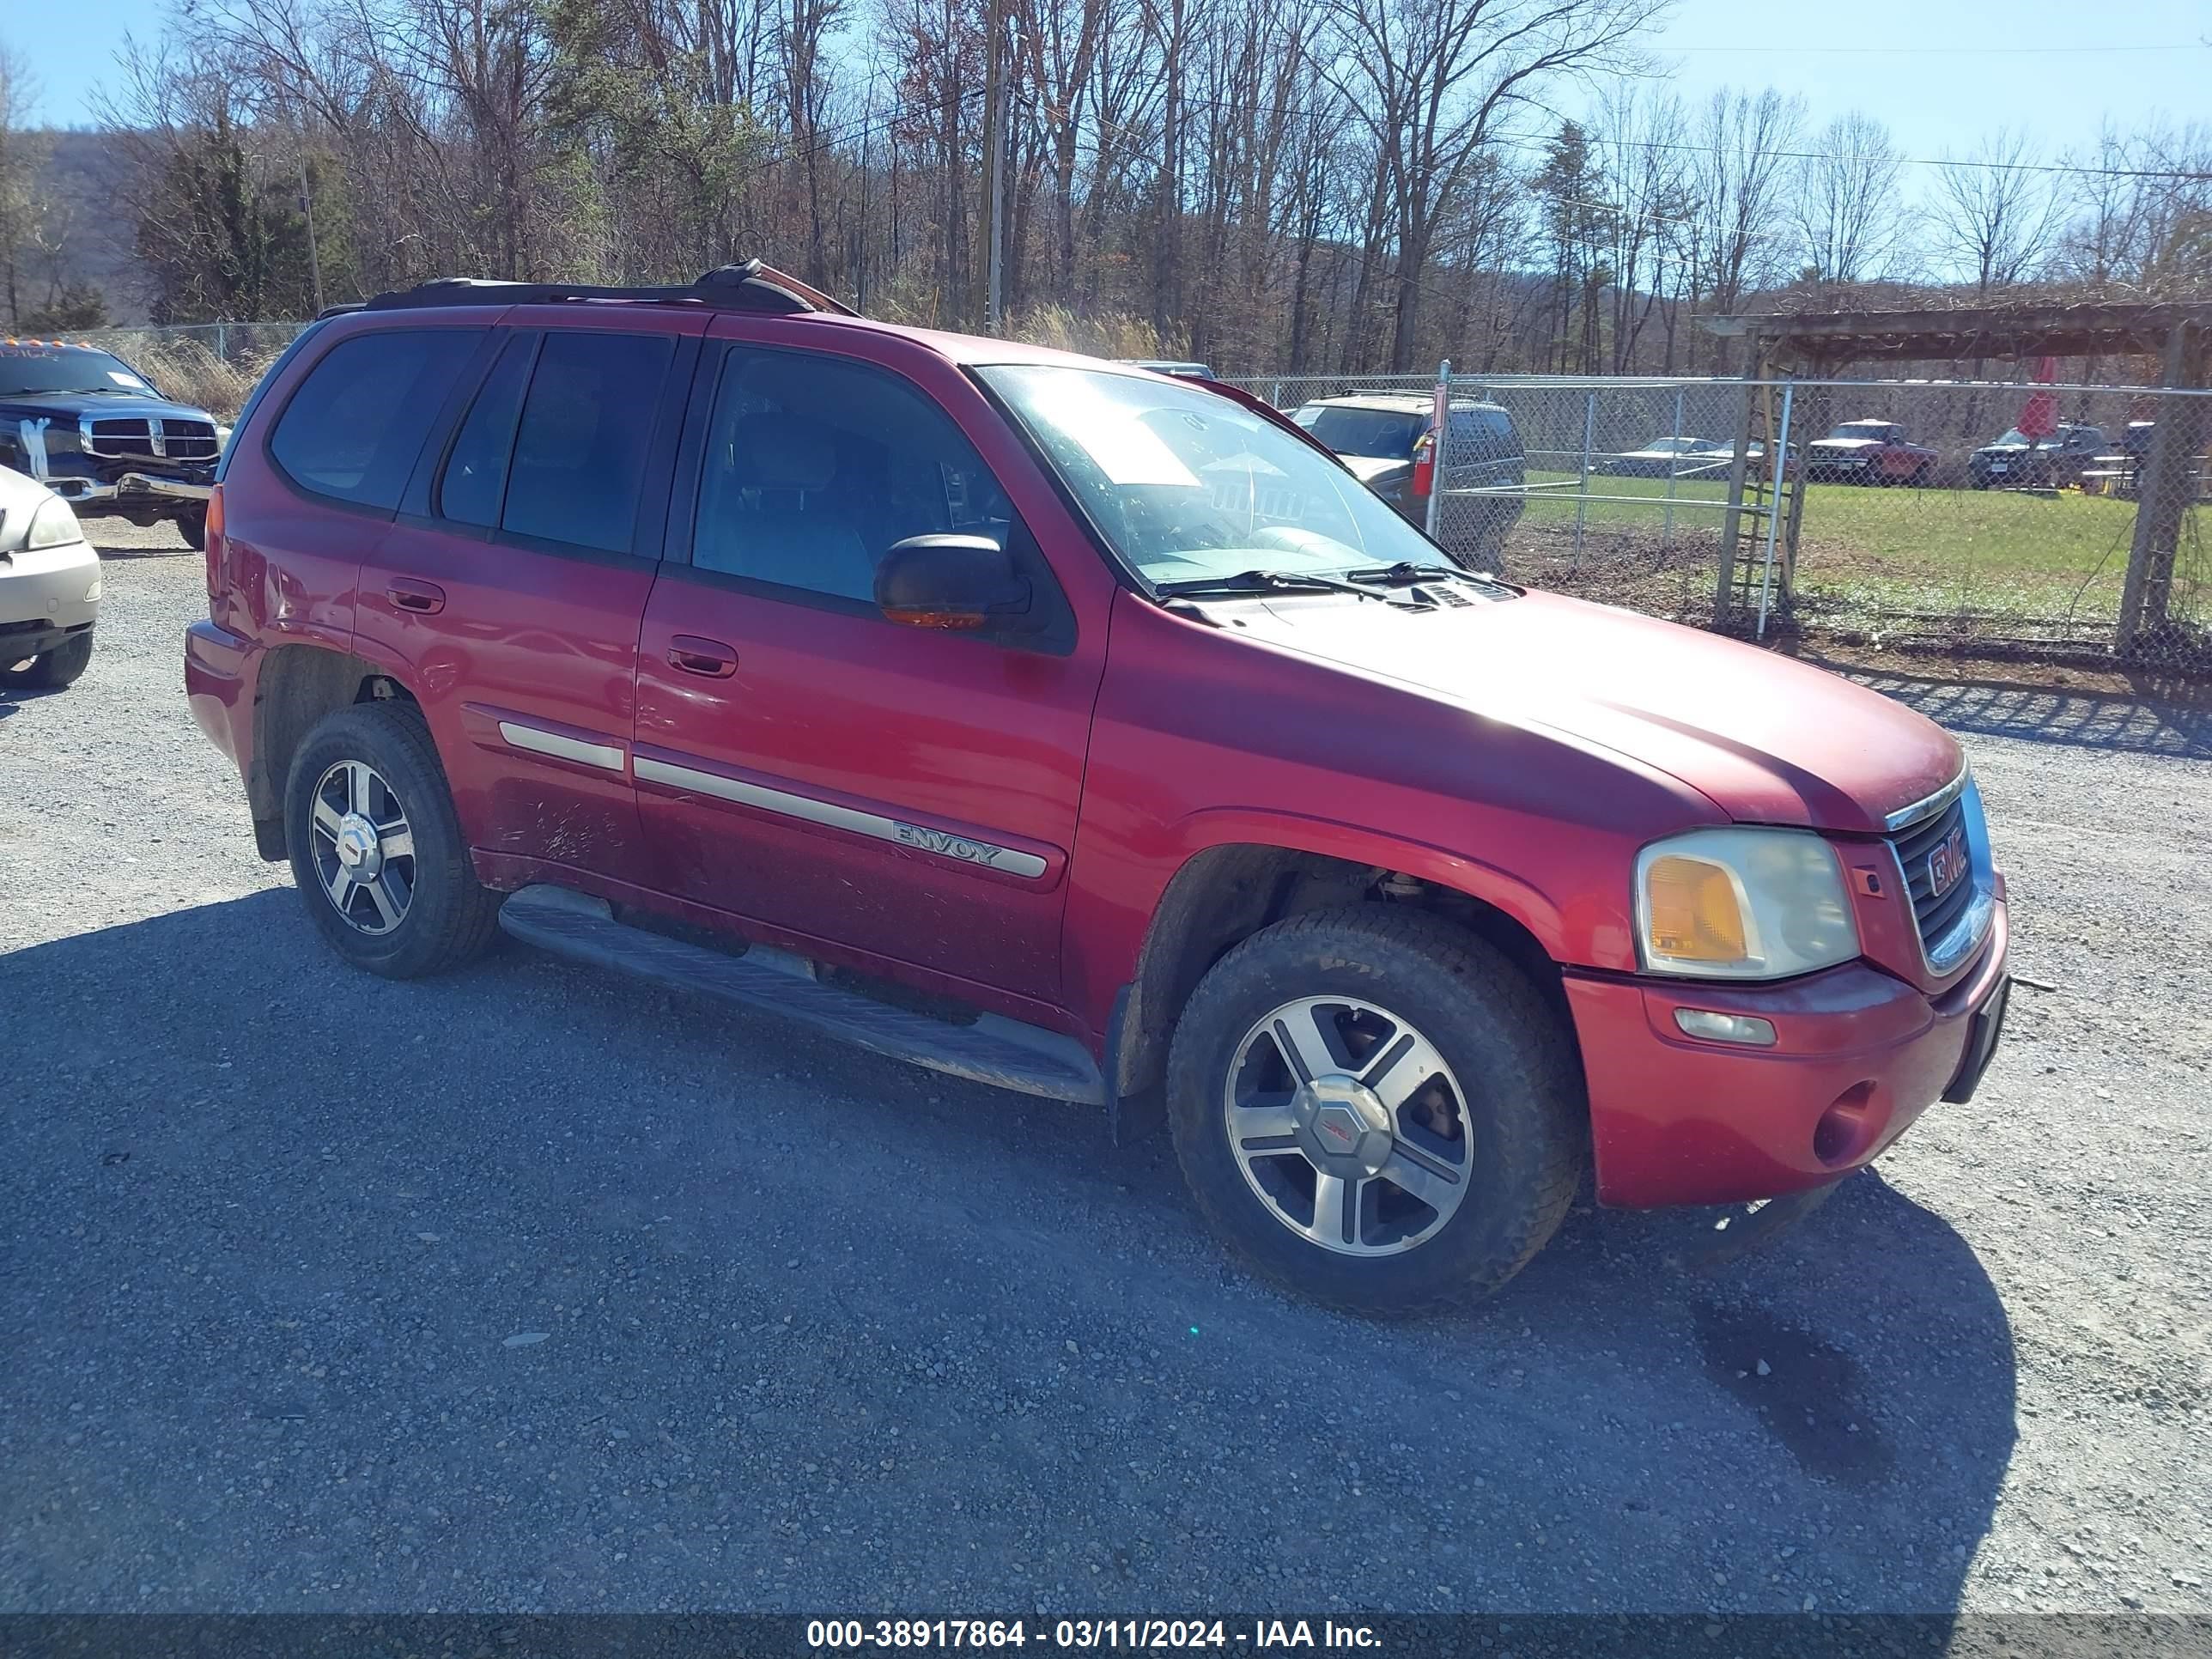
{"x": 56, "y": 588}
{"x": 1859, "y": 1054}
{"x": 131, "y": 489}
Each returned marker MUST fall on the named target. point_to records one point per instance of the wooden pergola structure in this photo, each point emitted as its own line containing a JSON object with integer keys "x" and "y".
{"x": 1818, "y": 346}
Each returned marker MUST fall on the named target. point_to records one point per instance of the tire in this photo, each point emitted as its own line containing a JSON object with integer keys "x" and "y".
{"x": 1521, "y": 1135}
{"x": 50, "y": 670}
{"x": 192, "y": 527}
{"x": 418, "y": 912}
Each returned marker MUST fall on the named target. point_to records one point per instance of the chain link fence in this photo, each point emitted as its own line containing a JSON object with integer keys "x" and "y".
{"x": 1915, "y": 515}
{"x": 1908, "y": 514}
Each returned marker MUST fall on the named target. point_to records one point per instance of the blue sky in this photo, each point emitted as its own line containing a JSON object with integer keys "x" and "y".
{"x": 1971, "y": 65}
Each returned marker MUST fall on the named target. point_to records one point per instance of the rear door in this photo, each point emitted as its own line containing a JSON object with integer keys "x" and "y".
{"x": 871, "y": 790}
{"x": 509, "y": 590}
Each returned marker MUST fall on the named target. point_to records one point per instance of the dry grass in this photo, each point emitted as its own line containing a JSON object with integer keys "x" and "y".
{"x": 190, "y": 372}
{"x": 1108, "y": 334}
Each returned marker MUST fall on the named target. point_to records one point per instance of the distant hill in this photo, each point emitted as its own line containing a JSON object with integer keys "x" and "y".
{"x": 84, "y": 172}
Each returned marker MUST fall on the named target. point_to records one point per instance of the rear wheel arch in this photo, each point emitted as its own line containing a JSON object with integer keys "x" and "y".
{"x": 298, "y": 686}
{"x": 1223, "y": 895}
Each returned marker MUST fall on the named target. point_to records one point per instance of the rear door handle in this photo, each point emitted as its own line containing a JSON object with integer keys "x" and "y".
{"x": 695, "y": 655}
{"x": 424, "y": 598}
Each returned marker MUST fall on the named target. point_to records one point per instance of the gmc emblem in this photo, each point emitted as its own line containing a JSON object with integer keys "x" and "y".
{"x": 1946, "y": 863}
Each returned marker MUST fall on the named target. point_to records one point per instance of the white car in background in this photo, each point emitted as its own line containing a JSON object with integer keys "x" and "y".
{"x": 48, "y": 587}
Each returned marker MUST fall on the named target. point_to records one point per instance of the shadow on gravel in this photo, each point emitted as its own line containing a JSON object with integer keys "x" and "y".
{"x": 530, "y": 1287}
{"x": 2161, "y": 717}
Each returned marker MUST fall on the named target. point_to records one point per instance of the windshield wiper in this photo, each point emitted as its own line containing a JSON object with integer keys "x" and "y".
{"x": 1262, "y": 581}
{"x": 1405, "y": 572}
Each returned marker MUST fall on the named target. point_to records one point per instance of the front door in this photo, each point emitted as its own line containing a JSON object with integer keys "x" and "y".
{"x": 879, "y": 790}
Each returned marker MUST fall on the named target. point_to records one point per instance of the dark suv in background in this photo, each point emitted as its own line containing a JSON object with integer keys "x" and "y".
{"x": 102, "y": 437}
{"x": 1387, "y": 440}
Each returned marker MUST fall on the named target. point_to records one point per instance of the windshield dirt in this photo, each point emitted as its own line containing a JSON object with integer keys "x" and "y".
{"x": 1185, "y": 484}
{"x": 27, "y": 368}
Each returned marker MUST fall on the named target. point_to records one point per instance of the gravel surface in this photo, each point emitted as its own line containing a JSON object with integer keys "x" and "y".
{"x": 533, "y": 1288}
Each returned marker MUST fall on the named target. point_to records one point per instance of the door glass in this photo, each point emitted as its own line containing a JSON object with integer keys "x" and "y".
{"x": 815, "y": 467}
{"x": 476, "y": 471}
{"x": 580, "y": 446}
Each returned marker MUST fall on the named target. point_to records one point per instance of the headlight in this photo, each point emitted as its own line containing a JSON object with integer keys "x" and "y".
{"x": 1742, "y": 904}
{"x": 221, "y": 437}
{"x": 52, "y": 525}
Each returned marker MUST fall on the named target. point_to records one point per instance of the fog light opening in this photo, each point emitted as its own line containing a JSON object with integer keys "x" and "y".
{"x": 1848, "y": 1128}
{"x": 1725, "y": 1027}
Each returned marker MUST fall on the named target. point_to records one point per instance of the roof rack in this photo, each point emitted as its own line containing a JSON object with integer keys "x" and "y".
{"x": 751, "y": 286}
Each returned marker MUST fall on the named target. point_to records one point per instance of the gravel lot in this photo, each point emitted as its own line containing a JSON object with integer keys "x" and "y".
{"x": 530, "y": 1288}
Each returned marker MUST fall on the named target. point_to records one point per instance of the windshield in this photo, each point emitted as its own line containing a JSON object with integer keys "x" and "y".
{"x": 1186, "y": 485}
{"x": 26, "y": 368}
{"x": 1379, "y": 432}
{"x": 1876, "y": 429}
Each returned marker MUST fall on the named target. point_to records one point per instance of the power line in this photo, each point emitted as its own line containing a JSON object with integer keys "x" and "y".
{"x": 1930, "y": 51}
{"x": 1537, "y": 144}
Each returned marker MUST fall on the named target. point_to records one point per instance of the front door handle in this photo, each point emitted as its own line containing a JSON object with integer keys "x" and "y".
{"x": 695, "y": 655}
{"x": 424, "y": 598}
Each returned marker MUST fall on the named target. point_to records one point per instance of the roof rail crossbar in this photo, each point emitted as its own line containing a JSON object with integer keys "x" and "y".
{"x": 751, "y": 286}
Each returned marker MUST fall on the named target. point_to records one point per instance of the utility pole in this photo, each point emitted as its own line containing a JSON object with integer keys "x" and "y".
{"x": 307, "y": 208}
{"x": 995, "y": 121}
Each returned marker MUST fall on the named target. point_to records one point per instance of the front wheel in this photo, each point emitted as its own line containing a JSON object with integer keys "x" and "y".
{"x": 192, "y": 527}
{"x": 51, "y": 669}
{"x": 1376, "y": 1110}
{"x": 377, "y": 851}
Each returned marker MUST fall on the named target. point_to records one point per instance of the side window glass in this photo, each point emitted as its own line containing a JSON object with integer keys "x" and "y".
{"x": 475, "y": 478}
{"x": 582, "y": 442}
{"x": 357, "y": 423}
{"x": 815, "y": 467}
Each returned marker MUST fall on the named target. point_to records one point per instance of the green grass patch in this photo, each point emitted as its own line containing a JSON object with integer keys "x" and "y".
{"x": 1866, "y": 553}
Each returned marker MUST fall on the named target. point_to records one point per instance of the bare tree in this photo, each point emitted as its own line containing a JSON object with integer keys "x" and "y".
{"x": 1994, "y": 214}
{"x": 22, "y": 211}
{"x": 1739, "y": 179}
{"x": 1847, "y": 211}
{"x": 1428, "y": 81}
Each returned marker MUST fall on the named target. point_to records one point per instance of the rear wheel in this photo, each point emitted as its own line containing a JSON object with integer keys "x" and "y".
{"x": 50, "y": 670}
{"x": 376, "y": 850}
{"x": 1376, "y": 1110}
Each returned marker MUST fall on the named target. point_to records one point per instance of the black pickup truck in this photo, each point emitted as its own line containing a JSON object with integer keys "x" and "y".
{"x": 101, "y": 436}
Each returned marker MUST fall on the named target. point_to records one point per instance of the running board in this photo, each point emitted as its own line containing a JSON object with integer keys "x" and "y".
{"x": 1005, "y": 1052}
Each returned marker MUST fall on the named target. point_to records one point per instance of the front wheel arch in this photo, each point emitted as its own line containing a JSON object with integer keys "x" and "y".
{"x": 1222, "y": 894}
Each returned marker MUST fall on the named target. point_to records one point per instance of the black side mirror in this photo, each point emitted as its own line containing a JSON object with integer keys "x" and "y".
{"x": 963, "y": 582}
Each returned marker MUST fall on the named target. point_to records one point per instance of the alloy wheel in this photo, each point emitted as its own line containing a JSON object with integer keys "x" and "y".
{"x": 1348, "y": 1125}
{"x": 364, "y": 848}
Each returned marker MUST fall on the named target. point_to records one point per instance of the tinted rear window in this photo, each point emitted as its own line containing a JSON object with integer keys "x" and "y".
{"x": 1367, "y": 431}
{"x": 355, "y": 425}
{"x": 581, "y": 447}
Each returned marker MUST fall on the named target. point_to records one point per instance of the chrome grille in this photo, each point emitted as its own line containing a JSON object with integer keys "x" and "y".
{"x": 189, "y": 440}
{"x": 135, "y": 437}
{"x": 118, "y": 438}
{"x": 1936, "y": 916}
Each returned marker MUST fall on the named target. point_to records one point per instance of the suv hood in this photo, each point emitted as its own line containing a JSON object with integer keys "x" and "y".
{"x": 1368, "y": 468}
{"x": 1847, "y": 443}
{"x": 1766, "y": 739}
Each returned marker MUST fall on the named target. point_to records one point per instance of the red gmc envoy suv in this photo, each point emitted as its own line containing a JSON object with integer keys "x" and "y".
{"x": 1087, "y": 731}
